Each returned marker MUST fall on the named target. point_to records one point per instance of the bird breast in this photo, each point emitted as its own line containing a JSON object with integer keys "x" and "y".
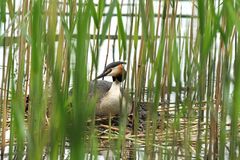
{"x": 110, "y": 103}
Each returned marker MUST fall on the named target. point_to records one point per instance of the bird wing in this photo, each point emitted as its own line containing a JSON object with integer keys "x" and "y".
{"x": 102, "y": 87}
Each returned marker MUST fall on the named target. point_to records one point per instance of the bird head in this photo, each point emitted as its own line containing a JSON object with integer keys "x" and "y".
{"x": 116, "y": 70}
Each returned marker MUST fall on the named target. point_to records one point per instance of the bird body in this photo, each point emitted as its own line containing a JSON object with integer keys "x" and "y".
{"x": 110, "y": 102}
{"x": 111, "y": 98}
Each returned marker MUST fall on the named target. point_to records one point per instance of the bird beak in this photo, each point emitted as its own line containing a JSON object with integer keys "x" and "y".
{"x": 105, "y": 73}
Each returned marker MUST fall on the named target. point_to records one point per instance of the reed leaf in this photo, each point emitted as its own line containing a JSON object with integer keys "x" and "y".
{"x": 107, "y": 20}
{"x": 94, "y": 14}
{"x": 3, "y": 10}
{"x": 36, "y": 84}
{"x": 121, "y": 32}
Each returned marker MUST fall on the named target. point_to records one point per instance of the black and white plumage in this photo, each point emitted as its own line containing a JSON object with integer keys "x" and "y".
{"x": 111, "y": 98}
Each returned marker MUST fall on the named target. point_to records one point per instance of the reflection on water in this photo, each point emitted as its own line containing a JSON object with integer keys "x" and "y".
{"x": 109, "y": 155}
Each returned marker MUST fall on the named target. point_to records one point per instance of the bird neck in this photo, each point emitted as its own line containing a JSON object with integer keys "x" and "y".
{"x": 116, "y": 86}
{"x": 116, "y": 82}
{"x": 118, "y": 78}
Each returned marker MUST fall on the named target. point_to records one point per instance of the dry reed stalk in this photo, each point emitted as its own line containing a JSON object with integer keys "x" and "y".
{"x": 3, "y": 104}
